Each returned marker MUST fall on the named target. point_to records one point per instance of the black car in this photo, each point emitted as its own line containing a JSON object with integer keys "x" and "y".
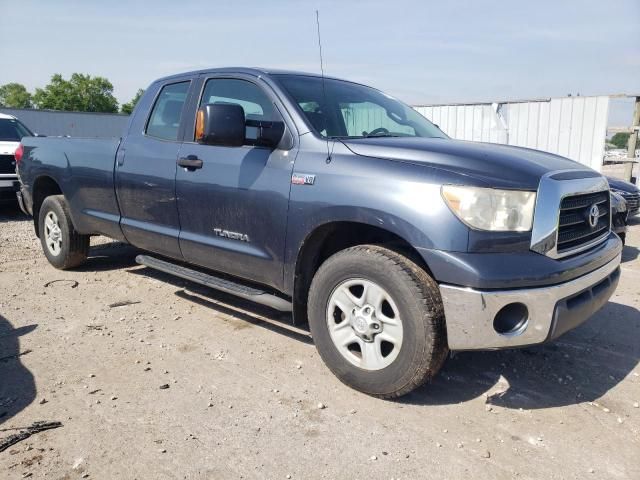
{"x": 629, "y": 192}
{"x": 619, "y": 215}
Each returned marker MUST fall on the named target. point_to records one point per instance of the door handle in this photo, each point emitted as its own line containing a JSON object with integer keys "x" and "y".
{"x": 190, "y": 162}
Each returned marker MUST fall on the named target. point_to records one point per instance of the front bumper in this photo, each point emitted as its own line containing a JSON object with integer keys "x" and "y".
{"x": 552, "y": 310}
{"x": 9, "y": 185}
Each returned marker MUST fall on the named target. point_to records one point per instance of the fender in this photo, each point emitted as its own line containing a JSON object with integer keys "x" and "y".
{"x": 351, "y": 188}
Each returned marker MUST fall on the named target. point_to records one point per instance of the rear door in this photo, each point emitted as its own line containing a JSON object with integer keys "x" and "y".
{"x": 146, "y": 171}
{"x": 233, "y": 210}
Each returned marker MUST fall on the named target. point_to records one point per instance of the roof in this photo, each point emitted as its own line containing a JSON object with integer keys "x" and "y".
{"x": 255, "y": 71}
{"x": 7, "y": 117}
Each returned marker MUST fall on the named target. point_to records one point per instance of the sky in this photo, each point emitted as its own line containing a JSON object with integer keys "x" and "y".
{"x": 423, "y": 52}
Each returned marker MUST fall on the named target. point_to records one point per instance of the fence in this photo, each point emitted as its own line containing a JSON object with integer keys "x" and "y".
{"x": 574, "y": 127}
{"x": 75, "y": 124}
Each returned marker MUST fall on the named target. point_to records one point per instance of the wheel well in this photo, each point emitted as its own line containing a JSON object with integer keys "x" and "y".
{"x": 333, "y": 237}
{"x": 43, "y": 187}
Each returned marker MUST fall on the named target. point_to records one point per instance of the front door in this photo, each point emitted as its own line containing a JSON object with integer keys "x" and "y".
{"x": 233, "y": 210}
{"x": 145, "y": 175}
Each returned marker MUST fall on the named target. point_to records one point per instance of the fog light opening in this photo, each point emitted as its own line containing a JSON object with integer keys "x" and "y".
{"x": 512, "y": 319}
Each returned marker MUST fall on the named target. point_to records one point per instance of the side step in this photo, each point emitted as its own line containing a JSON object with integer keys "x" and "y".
{"x": 227, "y": 286}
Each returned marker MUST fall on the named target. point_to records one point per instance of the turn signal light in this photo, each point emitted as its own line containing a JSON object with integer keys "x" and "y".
{"x": 199, "y": 125}
{"x": 18, "y": 154}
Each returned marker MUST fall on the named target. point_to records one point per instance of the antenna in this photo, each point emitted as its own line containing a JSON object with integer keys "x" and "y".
{"x": 324, "y": 91}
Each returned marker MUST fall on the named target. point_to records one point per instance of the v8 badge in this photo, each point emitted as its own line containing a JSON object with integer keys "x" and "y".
{"x": 302, "y": 179}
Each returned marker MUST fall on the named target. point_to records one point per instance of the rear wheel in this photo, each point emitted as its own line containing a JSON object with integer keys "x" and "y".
{"x": 63, "y": 246}
{"x": 377, "y": 320}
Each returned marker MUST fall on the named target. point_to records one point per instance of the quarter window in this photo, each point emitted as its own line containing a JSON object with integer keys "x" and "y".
{"x": 164, "y": 120}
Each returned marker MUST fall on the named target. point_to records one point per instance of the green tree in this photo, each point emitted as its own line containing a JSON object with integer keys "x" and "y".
{"x": 620, "y": 139}
{"x": 81, "y": 93}
{"x": 14, "y": 95}
{"x": 128, "y": 107}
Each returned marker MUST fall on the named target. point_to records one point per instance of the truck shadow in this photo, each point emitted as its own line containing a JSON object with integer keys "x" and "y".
{"x": 17, "y": 385}
{"x": 10, "y": 212}
{"x": 630, "y": 253}
{"x": 581, "y": 366}
{"x": 247, "y": 312}
{"x": 109, "y": 256}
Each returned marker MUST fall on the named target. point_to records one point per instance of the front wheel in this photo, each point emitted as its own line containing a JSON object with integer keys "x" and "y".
{"x": 377, "y": 320}
{"x": 63, "y": 246}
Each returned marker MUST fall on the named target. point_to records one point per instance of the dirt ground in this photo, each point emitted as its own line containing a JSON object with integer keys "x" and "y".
{"x": 183, "y": 382}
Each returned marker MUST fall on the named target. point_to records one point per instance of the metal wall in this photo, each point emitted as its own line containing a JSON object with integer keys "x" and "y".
{"x": 574, "y": 127}
{"x": 75, "y": 124}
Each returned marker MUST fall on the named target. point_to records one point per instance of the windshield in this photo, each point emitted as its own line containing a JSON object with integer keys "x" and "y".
{"x": 11, "y": 130}
{"x": 354, "y": 111}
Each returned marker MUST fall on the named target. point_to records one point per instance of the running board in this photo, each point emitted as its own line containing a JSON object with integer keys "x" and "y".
{"x": 227, "y": 286}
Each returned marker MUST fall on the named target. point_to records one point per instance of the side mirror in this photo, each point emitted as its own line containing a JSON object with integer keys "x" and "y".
{"x": 220, "y": 124}
{"x": 267, "y": 133}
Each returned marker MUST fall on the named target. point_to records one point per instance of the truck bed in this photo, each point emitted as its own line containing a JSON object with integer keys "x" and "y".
{"x": 84, "y": 169}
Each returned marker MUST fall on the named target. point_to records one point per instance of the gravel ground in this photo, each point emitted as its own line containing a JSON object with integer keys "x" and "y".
{"x": 189, "y": 383}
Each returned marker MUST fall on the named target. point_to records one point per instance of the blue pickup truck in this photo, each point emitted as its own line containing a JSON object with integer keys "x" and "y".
{"x": 334, "y": 201}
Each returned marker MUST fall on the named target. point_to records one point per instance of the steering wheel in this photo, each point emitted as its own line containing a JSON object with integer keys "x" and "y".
{"x": 377, "y": 131}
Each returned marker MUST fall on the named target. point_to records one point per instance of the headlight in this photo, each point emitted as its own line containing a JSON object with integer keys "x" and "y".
{"x": 491, "y": 209}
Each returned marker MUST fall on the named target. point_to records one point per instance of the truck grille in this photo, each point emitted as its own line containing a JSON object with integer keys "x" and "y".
{"x": 7, "y": 164}
{"x": 574, "y": 228}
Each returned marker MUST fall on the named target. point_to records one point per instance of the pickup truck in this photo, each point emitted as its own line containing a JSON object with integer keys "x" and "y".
{"x": 342, "y": 205}
{"x": 11, "y": 131}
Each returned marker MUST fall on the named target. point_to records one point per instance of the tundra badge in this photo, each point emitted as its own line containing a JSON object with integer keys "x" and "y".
{"x": 243, "y": 237}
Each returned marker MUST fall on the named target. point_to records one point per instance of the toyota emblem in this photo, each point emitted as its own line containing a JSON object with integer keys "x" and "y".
{"x": 594, "y": 214}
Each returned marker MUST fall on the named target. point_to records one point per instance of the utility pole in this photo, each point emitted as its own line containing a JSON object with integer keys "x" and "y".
{"x": 633, "y": 140}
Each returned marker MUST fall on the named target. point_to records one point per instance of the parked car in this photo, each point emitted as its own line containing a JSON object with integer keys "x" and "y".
{"x": 619, "y": 214}
{"x": 628, "y": 191}
{"x": 11, "y": 131}
{"x": 339, "y": 203}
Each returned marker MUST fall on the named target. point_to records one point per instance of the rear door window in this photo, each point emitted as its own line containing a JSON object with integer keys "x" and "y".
{"x": 164, "y": 121}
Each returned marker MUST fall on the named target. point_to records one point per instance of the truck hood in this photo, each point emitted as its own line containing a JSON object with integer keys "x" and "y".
{"x": 8, "y": 148}
{"x": 498, "y": 166}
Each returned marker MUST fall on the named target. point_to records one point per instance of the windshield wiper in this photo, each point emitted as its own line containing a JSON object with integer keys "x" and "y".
{"x": 359, "y": 137}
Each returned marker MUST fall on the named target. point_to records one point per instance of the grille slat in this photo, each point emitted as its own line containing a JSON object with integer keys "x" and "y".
{"x": 633, "y": 202}
{"x": 582, "y": 201}
{"x": 7, "y": 164}
{"x": 576, "y": 218}
{"x": 574, "y": 230}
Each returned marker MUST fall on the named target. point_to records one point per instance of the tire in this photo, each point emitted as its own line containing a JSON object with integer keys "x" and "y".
{"x": 411, "y": 298}
{"x": 63, "y": 246}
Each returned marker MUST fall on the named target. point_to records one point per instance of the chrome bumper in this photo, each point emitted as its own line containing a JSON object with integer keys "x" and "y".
{"x": 552, "y": 310}
{"x": 8, "y": 181}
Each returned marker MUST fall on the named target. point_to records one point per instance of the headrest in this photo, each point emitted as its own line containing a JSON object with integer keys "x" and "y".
{"x": 171, "y": 112}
